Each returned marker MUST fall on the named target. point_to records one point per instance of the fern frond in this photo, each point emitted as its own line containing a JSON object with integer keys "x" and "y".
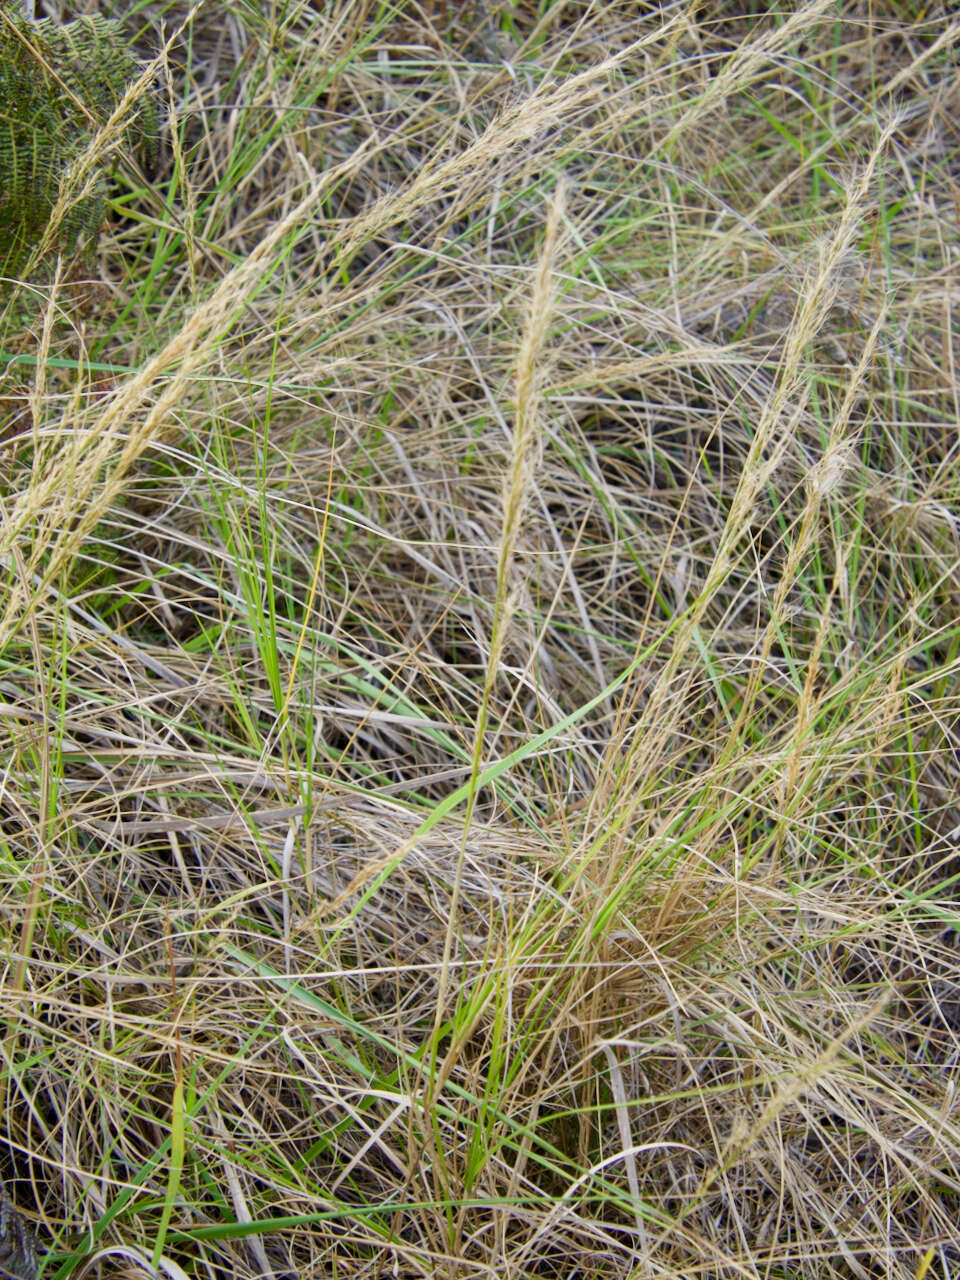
{"x": 58, "y": 83}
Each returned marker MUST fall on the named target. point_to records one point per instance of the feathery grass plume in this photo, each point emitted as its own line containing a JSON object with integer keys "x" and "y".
{"x": 58, "y": 83}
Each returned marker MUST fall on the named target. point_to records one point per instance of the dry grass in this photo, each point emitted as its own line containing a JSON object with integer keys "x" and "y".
{"x": 480, "y": 656}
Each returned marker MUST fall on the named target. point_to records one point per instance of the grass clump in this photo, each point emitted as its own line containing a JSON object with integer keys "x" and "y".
{"x": 479, "y": 657}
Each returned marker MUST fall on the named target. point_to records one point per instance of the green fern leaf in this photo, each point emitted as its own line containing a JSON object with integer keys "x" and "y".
{"x": 58, "y": 84}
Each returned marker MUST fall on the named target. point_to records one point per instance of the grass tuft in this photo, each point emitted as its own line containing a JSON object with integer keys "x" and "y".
{"x": 479, "y": 655}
